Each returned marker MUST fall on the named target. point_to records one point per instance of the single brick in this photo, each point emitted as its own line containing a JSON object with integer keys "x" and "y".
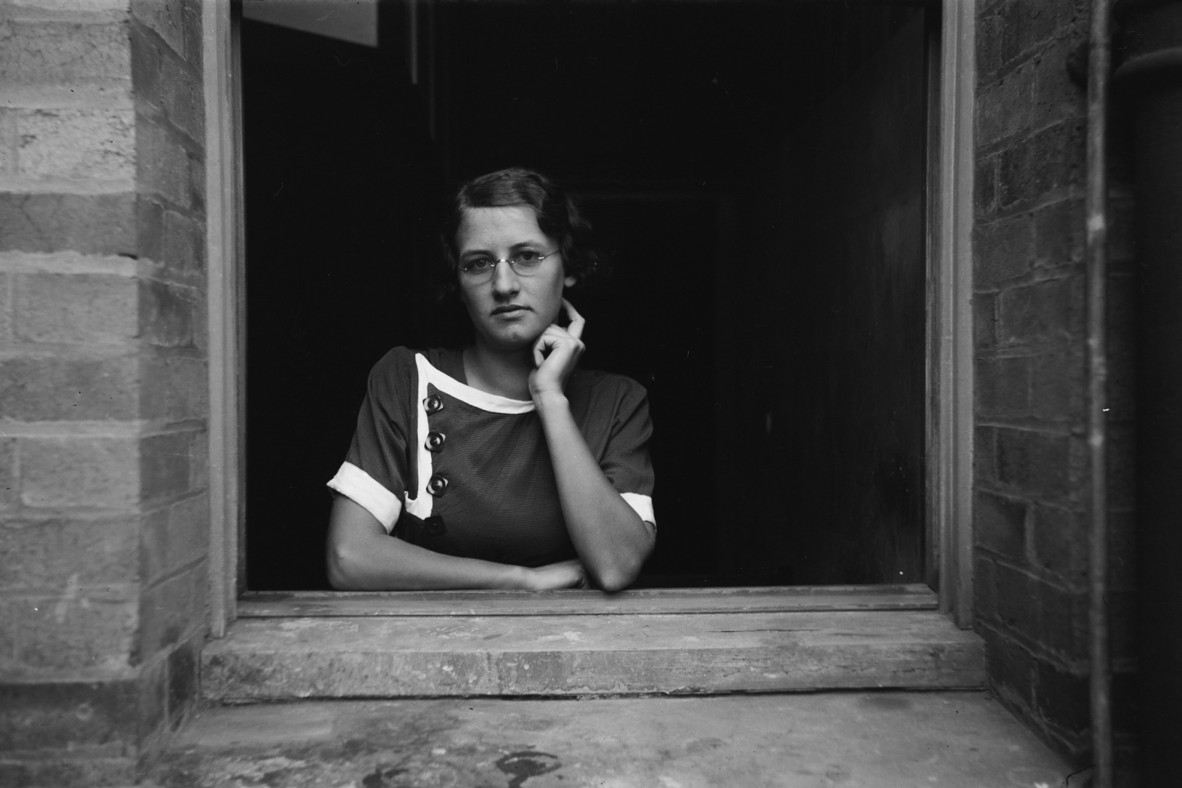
{"x": 166, "y": 313}
{"x": 162, "y": 163}
{"x": 164, "y": 464}
{"x": 76, "y": 308}
{"x": 150, "y": 228}
{"x": 175, "y": 536}
{"x": 57, "y": 52}
{"x": 40, "y": 388}
{"x": 66, "y": 715}
{"x": 183, "y": 99}
{"x": 173, "y": 386}
{"x": 1005, "y": 108}
{"x": 183, "y": 243}
{"x": 1059, "y": 539}
{"x": 1058, "y": 386}
{"x": 1064, "y": 618}
{"x": 172, "y": 611}
{"x": 1062, "y": 699}
{"x": 1010, "y": 667}
{"x": 999, "y": 525}
{"x": 1004, "y": 250}
{"x": 46, "y": 556}
{"x": 1059, "y": 234}
{"x": 1003, "y": 387}
{"x": 146, "y": 56}
{"x": 86, "y": 223}
{"x": 1018, "y": 614}
{"x": 183, "y": 680}
{"x": 1040, "y": 165}
{"x": 77, "y": 144}
{"x": 80, "y": 472}
{"x": 76, "y": 630}
{"x": 1047, "y": 311}
{"x": 1035, "y": 463}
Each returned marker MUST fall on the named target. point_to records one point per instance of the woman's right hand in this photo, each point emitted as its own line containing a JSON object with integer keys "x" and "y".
{"x": 551, "y": 577}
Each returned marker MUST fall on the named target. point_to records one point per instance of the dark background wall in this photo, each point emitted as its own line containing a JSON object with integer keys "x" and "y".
{"x": 695, "y": 134}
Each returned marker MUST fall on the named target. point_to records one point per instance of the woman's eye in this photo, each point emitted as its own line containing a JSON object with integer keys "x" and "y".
{"x": 528, "y": 256}
{"x": 478, "y": 264}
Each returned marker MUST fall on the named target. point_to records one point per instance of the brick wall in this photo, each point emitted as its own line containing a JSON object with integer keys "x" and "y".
{"x": 103, "y": 467}
{"x": 1031, "y": 491}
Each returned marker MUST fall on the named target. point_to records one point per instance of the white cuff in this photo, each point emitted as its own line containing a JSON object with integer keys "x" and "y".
{"x": 643, "y": 505}
{"x": 368, "y": 493}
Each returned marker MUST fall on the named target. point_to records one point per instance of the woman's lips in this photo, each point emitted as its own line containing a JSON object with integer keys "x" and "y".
{"x": 508, "y": 311}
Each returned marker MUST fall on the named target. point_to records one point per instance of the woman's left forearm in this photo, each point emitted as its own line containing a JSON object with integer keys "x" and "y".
{"x": 610, "y": 537}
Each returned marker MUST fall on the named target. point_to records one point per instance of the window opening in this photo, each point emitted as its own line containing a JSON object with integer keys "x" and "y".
{"x": 757, "y": 172}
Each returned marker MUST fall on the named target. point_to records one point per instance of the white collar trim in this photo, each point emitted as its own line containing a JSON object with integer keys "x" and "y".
{"x": 494, "y": 403}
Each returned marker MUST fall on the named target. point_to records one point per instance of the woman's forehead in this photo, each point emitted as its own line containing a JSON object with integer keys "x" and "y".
{"x": 501, "y": 224}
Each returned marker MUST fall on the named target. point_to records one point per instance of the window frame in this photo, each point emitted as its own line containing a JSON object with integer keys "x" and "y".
{"x": 949, "y": 324}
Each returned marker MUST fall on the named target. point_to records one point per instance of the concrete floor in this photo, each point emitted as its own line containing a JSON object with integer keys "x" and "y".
{"x": 877, "y": 740}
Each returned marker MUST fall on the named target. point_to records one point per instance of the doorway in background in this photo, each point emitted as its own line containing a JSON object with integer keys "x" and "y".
{"x": 757, "y": 174}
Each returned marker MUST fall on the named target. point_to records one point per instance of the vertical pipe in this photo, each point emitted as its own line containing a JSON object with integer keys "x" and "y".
{"x": 1099, "y": 57}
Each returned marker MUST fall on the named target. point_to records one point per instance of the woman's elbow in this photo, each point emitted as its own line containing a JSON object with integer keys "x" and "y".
{"x": 343, "y": 570}
{"x": 621, "y": 575}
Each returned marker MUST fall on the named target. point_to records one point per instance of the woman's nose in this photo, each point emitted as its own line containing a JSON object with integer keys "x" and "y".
{"x": 504, "y": 278}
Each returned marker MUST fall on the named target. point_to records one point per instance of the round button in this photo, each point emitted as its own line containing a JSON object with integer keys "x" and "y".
{"x": 437, "y": 485}
{"x": 434, "y": 525}
{"x": 435, "y": 440}
{"x": 433, "y": 404}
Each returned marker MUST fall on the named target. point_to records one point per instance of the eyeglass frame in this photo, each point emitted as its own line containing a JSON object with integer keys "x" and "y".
{"x": 498, "y": 260}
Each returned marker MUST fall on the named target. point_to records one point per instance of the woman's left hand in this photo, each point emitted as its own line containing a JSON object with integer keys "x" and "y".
{"x": 556, "y": 354}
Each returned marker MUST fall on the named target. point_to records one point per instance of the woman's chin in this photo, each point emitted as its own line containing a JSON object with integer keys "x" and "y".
{"x": 513, "y": 340}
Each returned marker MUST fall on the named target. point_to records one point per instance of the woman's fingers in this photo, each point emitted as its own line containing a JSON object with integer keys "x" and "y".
{"x": 564, "y": 574}
{"x": 577, "y": 322}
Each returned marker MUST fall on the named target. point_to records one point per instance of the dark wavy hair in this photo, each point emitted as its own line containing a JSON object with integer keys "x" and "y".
{"x": 557, "y": 216}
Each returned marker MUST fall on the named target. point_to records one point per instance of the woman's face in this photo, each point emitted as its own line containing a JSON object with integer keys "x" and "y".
{"x": 509, "y": 311}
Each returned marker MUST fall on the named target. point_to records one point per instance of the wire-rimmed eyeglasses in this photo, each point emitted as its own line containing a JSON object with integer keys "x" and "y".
{"x": 523, "y": 263}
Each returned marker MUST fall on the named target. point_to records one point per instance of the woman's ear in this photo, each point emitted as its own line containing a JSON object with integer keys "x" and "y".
{"x": 570, "y": 281}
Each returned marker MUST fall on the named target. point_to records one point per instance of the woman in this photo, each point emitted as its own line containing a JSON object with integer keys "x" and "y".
{"x": 502, "y": 465}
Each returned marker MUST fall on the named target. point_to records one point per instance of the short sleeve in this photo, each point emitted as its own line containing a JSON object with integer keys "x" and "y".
{"x": 376, "y": 471}
{"x": 626, "y": 460}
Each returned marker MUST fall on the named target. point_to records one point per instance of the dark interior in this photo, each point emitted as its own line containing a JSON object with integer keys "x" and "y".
{"x": 756, "y": 172}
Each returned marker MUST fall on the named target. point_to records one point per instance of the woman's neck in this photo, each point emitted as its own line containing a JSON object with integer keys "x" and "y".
{"x": 504, "y": 374}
